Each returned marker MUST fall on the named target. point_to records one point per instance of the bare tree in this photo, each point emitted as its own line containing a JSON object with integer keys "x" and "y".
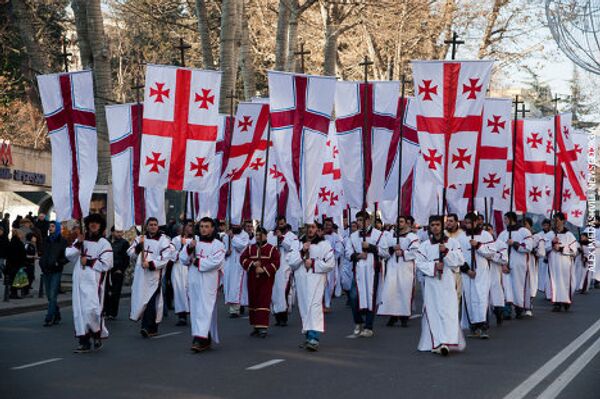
{"x": 204, "y": 31}
{"x": 228, "y": 58}
{"x": 281, "y": 37}
{"x": 295, "y": 11}
{"x": 333, "y": 14}
{"x": 247, "y": 59}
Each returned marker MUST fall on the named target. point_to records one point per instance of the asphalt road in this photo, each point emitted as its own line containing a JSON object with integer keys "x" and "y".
{"x": 552, "y": 355}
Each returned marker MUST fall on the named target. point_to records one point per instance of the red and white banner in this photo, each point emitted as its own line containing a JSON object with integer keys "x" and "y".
{"x": 572, "y": 205}
{"x": 331, "y": 200}
{"x": 133, "y": 204}
{"x": 68, "y": 104}
{"x": 250, "y": 130}
{"x": 301, "y": 108}
{"x": 493, "y": 146}
{"x": 534, "y": 169}
{"x": 567, "y": 153}
{"x": 366, "y": 117}
{"x": 449, "y": 98}
{"x": 180, "y": 128}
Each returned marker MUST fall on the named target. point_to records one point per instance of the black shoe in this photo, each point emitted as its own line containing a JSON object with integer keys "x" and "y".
{"x": 566, "y": 306}
{"x": 254, "y": 333}
{"x": 499, "y": 316}
{"x": 556, "y": 307}
{"x": 198, "y": 346}
{"x": 392, "y": 321}
{"x": 97, "y": 344}
{"x": 48, "y": 323}
{"x": 234, "y": 315}
{"x": 82, "y": 349}
{"x": 144, "y": 333}
{"x": 242, "y": 309}
{"x": 444, "y": 350}
{"x": 181, "y": 322}
{"x": 404, "y": 322}
{"x": 262, "y": 333}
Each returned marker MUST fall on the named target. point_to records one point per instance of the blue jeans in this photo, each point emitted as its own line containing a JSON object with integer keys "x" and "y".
{"x": 52, "y": 286}
{"x": 357, "y": 314}
{"x": 312, "y": 335}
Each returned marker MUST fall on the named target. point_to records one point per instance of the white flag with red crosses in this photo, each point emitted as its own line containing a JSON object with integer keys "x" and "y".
{"x": 573, "y": 206}
{"x": 449, "y": 98}
{"x": 179, "y": 131}
{"x": 331, "y": 202}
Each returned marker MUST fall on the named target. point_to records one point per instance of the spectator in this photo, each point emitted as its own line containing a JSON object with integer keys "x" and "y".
{"x": 117, "y": 273}
{"x": 16, "y": 259}
{"x": 17, "y": 222}
{"x": 31, "y": 255}
{"x": 52, "y": 263}
{"x": 3, "y": 249}
{"x": 6, "y": 223}
{"x": 42, "y": 225}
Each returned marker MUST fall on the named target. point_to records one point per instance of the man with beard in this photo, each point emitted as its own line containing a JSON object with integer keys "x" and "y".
{"x": 437, "y": 259}
{"x": 152, "y": 252}
{"x": 205, "y": 256}
{"x": 285, "y": 241}
{"x": 561, "y": 265}
{"x": 311, "y": 263}
{"x": 478, "y": 249}
{"x": 261, "y": 261}
{"x": 93, "y": 258}
{"x": 179, "y": 273}
{"x": 398, "y": 290}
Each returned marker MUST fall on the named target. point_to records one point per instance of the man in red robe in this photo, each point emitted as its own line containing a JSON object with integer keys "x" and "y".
{"x": 261, "y": 261}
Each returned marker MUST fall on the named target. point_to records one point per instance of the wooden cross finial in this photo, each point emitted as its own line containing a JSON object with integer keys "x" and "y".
{"x": 365, "y": 64}
{"x": 182, "y": 48}
{"x": 455, "y": 43}
{"x": 302, "y": 53}
{"x": 65, "y": 55}
{"x": 555, "y": 100}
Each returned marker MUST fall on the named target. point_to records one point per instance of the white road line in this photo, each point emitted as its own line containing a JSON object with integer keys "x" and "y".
{"x": 25, "y": 366}
{"x": 571, "y": 372}
{"x": 526, "y": 386}
{"x": 166, "y": 335}
{"x": 265, "y": 364}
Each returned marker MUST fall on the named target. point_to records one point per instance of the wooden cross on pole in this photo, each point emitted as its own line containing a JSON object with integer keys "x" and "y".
{"x": 302, "y": 53}
{"x": 523, "y": 110}
{"x": 137, "y": 87}
{"x": 182, "y": 49}
{"x": 555, "y": 100}
{"x": 65, "y": 55}
{"x": 455, "y": 43}
{"x": 366, "y": 64}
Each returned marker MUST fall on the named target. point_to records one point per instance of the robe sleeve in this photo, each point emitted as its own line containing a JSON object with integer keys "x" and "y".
{"x": 240, "y": 241}
{"x": 325, "y": 262}
{"x": 487, "y": 248}
{"x": 423, "y": 263}
{"x": 454, "y": 258}
{"x": 382, "y": 247}
{"x": 526, "y": 244}
{"x": 185, "y": 257}
{"x": 540, "y": 250}
{"x": 294, "y": 258}
{"x": 413, "y": 247}
{"x": 131, "y": 249}
{"x": 104, "y": 260}
{"x": 570, "y": 249}
{"x": 214, "y": 260}
{"x": 160, "y": 260}
{"x": 501, "y": 252}
{"x": 245, "y": 260}
{"x": 349, "y": 249}
{"x": 273, "y": 265}
{"x": 72, "y": 252}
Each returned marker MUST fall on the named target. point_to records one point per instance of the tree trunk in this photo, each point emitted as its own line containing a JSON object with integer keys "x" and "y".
{"x": 37, "y": 63}
{"x": 330, "y": 51}
{"x": 228, "y": 57}
{"x": 91, "y": 38}
{"x": 489, "y": 28}
{"x": 247, "y": 59}
{"x": 281, "y": 37}
{"x": 446, "y": 28}
{"x": 374, "y": 54}
{"x": 290, "y": 62}
{"x": 203, "y": 29}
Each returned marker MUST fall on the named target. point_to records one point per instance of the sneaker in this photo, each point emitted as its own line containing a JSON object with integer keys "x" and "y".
{"x": 48, "y": 323}
{"x": 82, "y": 349}
{"x": 366, "y": 333}
{"x": 262, "y": 333}
{"x": 144, "y": 333}
{"x": 198, "y": 346}
{"x": 475, "y": 334}
{"x": 97, "y": 344}
{"x": 357, "y": 329}
{"x": 484, "y": 335}
{"x": 444, "y": 350}
{"x": 312, "y": 346}
{"x": 528, "y": 313}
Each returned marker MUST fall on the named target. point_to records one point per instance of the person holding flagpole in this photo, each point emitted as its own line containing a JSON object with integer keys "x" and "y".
{"x": 561, "y": 264}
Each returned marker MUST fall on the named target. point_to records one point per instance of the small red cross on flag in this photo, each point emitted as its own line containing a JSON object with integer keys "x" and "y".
{"x": 180, "y": 124}
{"x": 450, "y": 98}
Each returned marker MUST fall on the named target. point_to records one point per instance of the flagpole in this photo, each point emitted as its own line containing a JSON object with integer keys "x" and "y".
{"x": 401, "y": 118}
{"x": 266, "y": 174}
{"x": 557, "y": 204}
{"x": 231, "y": 122}
{"x": 512, "y": 175}
{"x": 365, "y": 64}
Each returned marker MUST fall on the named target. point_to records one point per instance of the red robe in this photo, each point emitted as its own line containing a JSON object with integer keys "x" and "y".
{"x": 260, "y": 286}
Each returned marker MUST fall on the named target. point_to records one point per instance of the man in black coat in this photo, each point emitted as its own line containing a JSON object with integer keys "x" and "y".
{"x": 117, "y": 273}
{"x": 52, "y": 262}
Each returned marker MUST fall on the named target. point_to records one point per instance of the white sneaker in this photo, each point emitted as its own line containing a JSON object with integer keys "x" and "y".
{"x": 358, "y": 329}
{"x": 366, "y": 333}
{"x": 529, "y": 313}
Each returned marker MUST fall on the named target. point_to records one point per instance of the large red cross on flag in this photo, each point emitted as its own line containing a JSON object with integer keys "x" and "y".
{"x": 573, "y": 206}
{"x": 366, "y": 118}
{"x": 179, "y": 128}
{"x": 493, "y": 146}
{"x": 248, "y": 142}
{"x": 449, "y": 97}
{"x": 301, "y": 108}
{"x": 133, "y": 204}
{"x": 68, "y": 104}
{"x": 567, "y": 155}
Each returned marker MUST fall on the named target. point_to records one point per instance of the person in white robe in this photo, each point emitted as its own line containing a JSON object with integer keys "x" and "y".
{"x": 498, "y": 274}
{"x": 311, "y": 262}
{"x": 151, "y": 251}
{"x": 478, "y": 250}
{"x": 365, "y": 249}
{"x": 333, "y": 286}
{"x": 582, "y": 264}
{"x": 205, "y": 257}
{"x": 561, "y": 264}
{"x": 92, "y": 256}
{"x": 179, "y": 274}
{"x": 235, "y": 277}
{"x": 438, "y": 259}
{"x": 538, "y": 252}
{"x": 285, "y": 241}
{"x": 545, "y": 236}
{"x": 520, "y": 244}
{"x": 398, "y": 292}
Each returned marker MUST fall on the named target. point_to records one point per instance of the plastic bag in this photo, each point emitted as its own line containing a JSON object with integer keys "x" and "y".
{"x": 20, "y": 280}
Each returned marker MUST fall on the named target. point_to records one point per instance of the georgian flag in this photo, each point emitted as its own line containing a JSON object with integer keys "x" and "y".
{"x": 133, "y": 204}
{"x": 449, "y": 97}
{"x": 573, "y": 206}
{"x": 181, "y": 114}
{"x": 331, "y": 200}
{"x": 301, "y": 108}
{"x": 68, "y": 105}
{"x": 365, "y": 121}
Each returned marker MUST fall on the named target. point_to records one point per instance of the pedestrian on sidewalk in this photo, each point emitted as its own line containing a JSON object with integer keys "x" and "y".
{"x": 15, "y": 260}
{"x": 3, "y": 250}
{"x": 52, "y": 262}
{"x": 31, "y": 252}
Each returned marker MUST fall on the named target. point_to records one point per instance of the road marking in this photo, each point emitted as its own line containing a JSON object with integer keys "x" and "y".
{"x": 571, "y": 372}
{"x": 526, "y": 386}
{"x": 265, "y": 364}
{"x": 415, "y": 316}
{"x": 25, "y": 366}
{"x": 166, "y": 335}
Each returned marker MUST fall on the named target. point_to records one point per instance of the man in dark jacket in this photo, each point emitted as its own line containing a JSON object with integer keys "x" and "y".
{"x": 52, "y": 262}
{"x": 117, "y": 273}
